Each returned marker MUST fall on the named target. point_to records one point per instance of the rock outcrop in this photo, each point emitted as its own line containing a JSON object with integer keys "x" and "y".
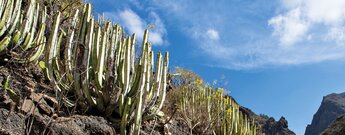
{"x": 332, "y": 106}
{"x": 12, "y": 123}
{"x": 268, "y": 125}
{"x": 280, "y": 127}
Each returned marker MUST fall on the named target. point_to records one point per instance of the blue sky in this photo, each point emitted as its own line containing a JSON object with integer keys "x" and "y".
{"x": 279, "y": 57}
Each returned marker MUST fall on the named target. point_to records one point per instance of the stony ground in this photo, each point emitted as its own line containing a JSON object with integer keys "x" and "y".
{"x": 28, "y": 105}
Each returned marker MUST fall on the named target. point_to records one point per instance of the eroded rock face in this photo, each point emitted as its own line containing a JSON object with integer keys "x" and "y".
{"x": 271, "y": 127}
{"x": 268, "y": 125}
{"x": 337, "y": 127}
{"x": 332, "y": 106}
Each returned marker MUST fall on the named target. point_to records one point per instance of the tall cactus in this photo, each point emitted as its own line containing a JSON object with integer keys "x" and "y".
{"x": 98, "y": 63}
{"x": 22, "y": 29}
{"x": 116, "y": 78}
{"x": 212, "y": 112}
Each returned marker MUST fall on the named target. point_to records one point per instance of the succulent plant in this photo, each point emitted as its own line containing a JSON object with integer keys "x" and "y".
{"x": 22, "y": 29}
{"x": 97, "y": 63}
{"x": 222, "y": 117}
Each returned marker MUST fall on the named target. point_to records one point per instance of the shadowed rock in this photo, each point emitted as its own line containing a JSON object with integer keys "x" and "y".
{"x": 332, "y": 106}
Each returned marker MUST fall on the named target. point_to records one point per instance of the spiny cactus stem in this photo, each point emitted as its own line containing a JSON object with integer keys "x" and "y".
{"x": 51, "y": 50}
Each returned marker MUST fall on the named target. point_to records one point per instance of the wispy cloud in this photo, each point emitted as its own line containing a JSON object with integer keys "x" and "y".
{"x": 212, "y": 34}
{"x": 301, "y": 16}
{"x": 135, "y": 24}
{"x": 290, "y": 27}
{"x": 245, "y": 34}
{"x": 298, "y": 32}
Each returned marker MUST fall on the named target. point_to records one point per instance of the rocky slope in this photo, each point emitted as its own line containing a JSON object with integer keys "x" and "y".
{"x": 332, "y": 106}
{"x": 19, "y": 124}
{"x": 35, "y": 113}
{"x": 29, "y": 105}
{"x": 337, "y": 127}
{"x": 268, "y": 125}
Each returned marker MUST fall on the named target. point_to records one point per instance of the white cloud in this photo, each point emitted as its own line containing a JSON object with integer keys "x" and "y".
{"x": 159, "y": 31}
{"x": 301, "y": 17}
{"x": 330, "y": 12}
{"x": 132, "y": 21}
{"x": 212, "y": 34}
{"x": 290, "y": 27}
{"x": 337, "y": 34}
{"x": 135, "y": 24}
{"x": 300, "y": 32}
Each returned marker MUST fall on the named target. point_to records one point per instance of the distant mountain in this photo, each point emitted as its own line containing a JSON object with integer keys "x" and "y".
{"x": 332, "y": 106}
{"x": 268, "y": 125}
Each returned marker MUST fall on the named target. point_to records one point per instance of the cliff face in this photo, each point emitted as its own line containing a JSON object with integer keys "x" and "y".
{"x": 332, "y": 106}
{"x": 337, "y": 127}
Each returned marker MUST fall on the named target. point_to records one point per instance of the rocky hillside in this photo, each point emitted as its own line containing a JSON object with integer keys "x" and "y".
{"x": 268, "y": 125}
{"x": 62, "y": 72}
{"x": 337, "y": 127}
{"x": 332, "y": 106}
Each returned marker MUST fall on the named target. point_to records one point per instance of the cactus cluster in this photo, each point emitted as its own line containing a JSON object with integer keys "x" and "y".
{"x": 93, "y": 60}
{"x": 212, "y": 111}
{"x": 101, "y": 69}
{"x": 22, "y": 30}
{"x": 96, "y": 61}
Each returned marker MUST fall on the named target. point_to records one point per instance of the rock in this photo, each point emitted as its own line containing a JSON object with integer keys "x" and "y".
{"x": 337, "y": 127}
{"x": 283, "y": 123}
{"x": 74, "y": 125}
{"x": 28, "y": 106}
{"x": 271, "y": 127}
{"x": 268, "y": 125}
{"x": 331, "y": 106}
{"x": 45, "y": 108}
{"x": 15, "y": 124}
{"x": 11, "y": 123}
{"x": 39, "y": 99}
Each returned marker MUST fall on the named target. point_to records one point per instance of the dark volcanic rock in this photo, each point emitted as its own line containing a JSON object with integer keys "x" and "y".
{"x": 337, "y": 127}
{"x": 332, "y": 106}
{"x": 271, "y": 127}
{"x": 11, "y": 123}
{"x": 17, "y": 124}
{"x": 268, "y": 125}
{"x": 74, "y": 125}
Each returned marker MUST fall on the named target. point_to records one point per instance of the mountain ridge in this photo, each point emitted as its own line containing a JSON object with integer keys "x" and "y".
{"x": 332, "y": 105}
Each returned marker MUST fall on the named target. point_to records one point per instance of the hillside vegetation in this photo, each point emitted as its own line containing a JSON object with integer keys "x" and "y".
{"x": 61, "y": 67}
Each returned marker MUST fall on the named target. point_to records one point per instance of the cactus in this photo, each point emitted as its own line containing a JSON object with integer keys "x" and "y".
{"x": 4, "y": 42}
{"x": 222, "y": 117}
{"x": 98, "y": 64}
{"x": 23, "y": 28}
{"x": 6, "y": 16}
{"x": 100, "y": 69}
{"x": 40, "y": 39}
